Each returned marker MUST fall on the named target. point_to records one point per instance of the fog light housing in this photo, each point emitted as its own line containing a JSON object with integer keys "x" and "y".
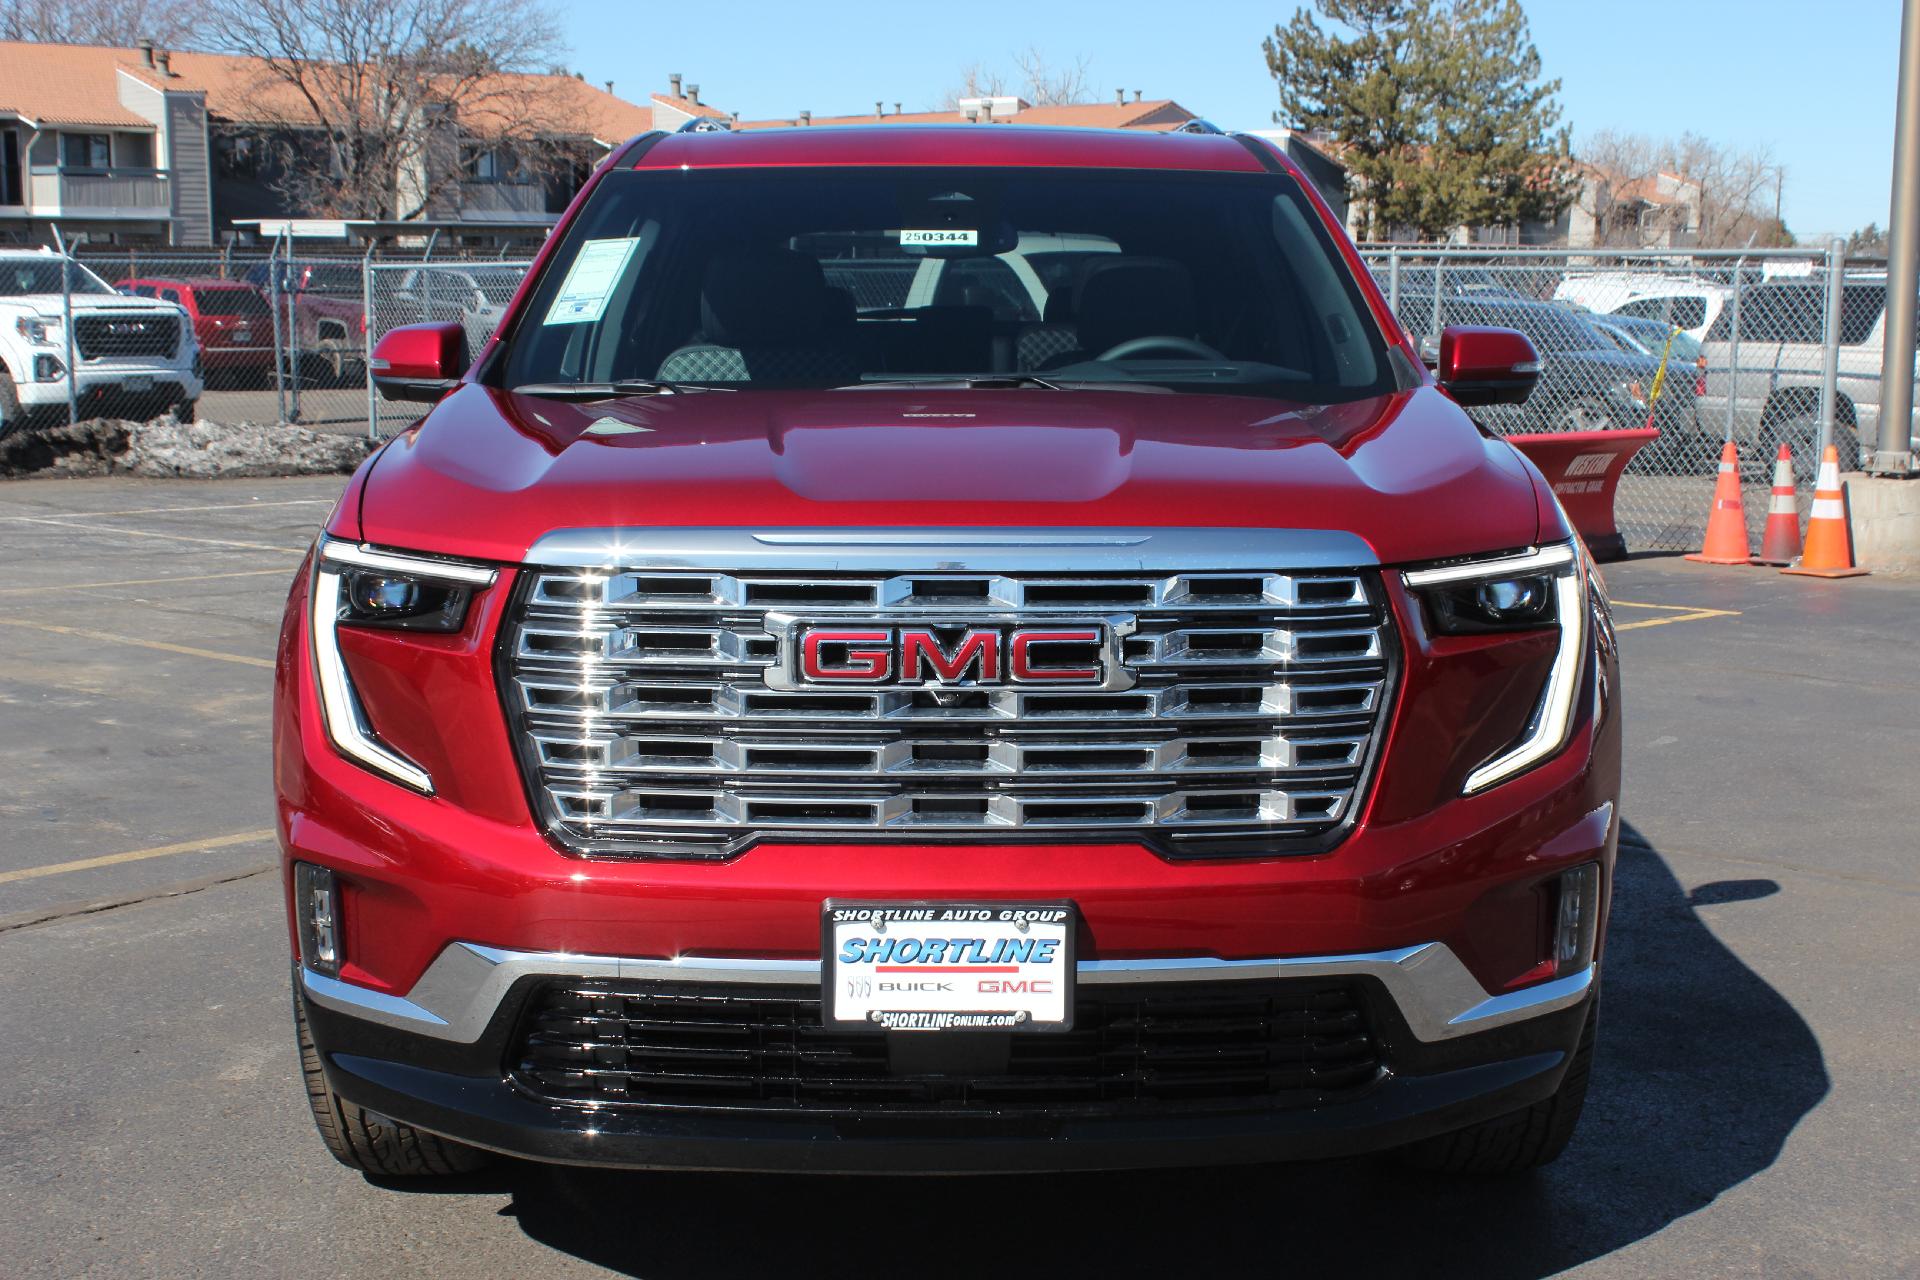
{"x": 48, "y": 369}
{"x": 316, "y": 912}
{"x": 1576, "y": 919}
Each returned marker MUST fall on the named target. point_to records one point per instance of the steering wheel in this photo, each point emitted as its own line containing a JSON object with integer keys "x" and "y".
{"x": 1166, "y": 342}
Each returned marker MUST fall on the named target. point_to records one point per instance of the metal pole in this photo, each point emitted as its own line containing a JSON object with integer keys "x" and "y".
{"x": 1894, "y": 454}
{"x": 1393, "y": 282}
{"x": 66, "y": 322}
{"x": 1733, "y": 346}
{"x": 1439, "y": 287}
{"x": 280, "y": 323}
{"x": 366, "y": 326}
{"x": 293, "y": 337}
{"x": 1830, "y": 358}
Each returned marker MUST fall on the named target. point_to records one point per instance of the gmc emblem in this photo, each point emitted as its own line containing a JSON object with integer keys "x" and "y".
{"x": 1074, "y": 653}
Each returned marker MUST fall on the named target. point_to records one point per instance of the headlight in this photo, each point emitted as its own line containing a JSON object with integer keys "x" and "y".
{"x": 41, "y": 333}
{"x": 355, "y": 586}
{"x": 1545, "y": 587}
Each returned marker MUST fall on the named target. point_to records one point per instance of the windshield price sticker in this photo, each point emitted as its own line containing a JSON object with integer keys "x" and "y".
{"x": 968, "y": 237}
{"x": 591, "y": 280}
{"x": 948, "y": 966}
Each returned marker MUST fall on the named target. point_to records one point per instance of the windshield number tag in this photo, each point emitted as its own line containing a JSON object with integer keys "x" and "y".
{"x": 942, "y": 236}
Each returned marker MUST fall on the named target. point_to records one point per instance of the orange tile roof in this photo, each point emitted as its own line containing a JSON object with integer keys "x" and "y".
{"x": 75, "y": 84}
{"x": 688, "y": 106}
{"x": 68, "y": 83}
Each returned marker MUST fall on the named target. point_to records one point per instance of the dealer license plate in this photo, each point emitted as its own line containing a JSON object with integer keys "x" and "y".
{"x": 138, "y": 384}
{"x": 948, "y": 966}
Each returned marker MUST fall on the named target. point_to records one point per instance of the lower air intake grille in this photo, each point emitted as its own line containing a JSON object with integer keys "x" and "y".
{"x": 1299, "y": 1042}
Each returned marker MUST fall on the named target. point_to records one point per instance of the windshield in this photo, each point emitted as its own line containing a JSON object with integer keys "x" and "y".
{"x": 20, "y": 277}
{"x": 839, "y": 278}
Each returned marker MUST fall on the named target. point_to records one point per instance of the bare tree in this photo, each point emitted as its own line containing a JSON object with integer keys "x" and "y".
{"x": 1040, "y": 82}
{"x": 977, "y": 80}
{"x": 1729, "y": 197}
{"x": 371, "y": 102}
{"x": 1049, "y": 86}
{"x": 109, "y": 22}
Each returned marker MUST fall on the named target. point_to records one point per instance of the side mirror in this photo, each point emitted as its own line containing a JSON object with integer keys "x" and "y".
{"x": 419, "y": 361}
{"x": 1486, "y": 366}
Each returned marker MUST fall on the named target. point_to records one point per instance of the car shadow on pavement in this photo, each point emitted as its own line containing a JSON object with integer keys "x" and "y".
{"x": 1703, "y": 1072}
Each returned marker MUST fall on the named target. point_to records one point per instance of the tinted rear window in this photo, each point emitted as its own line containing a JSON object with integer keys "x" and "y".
{"x": 229, "y": 302}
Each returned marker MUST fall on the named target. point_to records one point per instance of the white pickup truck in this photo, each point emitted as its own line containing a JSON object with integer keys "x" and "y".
{"x": 1775, "y": 386}
{"x": 131, "y": 356}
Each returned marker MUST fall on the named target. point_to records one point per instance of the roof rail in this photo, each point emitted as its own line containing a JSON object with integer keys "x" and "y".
{"x": 705, "y": 124}
{"x": 1197, "y": 125}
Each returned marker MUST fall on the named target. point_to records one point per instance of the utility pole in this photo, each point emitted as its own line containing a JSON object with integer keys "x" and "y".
{"x": 1894, "y": 456}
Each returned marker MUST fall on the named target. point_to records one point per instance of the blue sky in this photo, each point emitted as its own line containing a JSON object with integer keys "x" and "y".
{"x": 1814, "y": 83}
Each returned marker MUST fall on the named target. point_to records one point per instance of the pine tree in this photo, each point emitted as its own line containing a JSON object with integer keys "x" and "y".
{"x": 1367, "y": 91}
{"x": 1438, "y": 106}
{"x": 1498, "y": 154}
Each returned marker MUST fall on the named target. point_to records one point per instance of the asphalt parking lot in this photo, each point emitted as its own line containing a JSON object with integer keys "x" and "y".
{"x": 1754, "y": 1109}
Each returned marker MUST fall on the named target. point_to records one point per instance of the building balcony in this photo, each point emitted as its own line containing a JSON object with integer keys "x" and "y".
{"x": 56, "y": 192}
{"x": 481, "y": 201}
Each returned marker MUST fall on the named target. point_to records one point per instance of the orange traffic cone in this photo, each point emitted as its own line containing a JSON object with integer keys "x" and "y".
{"x": 1829, "y": 552}
{"x": 1780, "y": 544}
{"x": 1727, "y": 523}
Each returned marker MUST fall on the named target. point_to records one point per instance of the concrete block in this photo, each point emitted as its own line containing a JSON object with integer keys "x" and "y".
{"x": 1886, "y": 522}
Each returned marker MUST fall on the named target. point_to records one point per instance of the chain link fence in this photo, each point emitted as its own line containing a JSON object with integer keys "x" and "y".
{"x": 262, "y": 335}
{"x": 1763, "y": 347}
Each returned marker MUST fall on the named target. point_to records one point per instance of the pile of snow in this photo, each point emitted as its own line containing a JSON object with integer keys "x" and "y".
{"x": 185, "y": 450}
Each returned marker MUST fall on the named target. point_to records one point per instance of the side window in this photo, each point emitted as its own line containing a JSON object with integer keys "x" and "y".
{"x": 1682, "y": 311}
{"x": 1781, "y": 313}
{"x": 1860, "y": 308}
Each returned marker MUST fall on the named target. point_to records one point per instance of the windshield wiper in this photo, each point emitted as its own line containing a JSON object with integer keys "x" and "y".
{"x": 970, "y": 381}
{"x": 610, "y": 390}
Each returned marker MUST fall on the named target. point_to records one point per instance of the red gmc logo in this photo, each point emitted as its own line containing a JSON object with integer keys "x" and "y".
{"x": 1060, "y": 654}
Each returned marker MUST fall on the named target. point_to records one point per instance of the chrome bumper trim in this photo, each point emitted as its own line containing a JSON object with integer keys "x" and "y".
{"x": 945, "y": 550}
{"x": 459, "y": 993}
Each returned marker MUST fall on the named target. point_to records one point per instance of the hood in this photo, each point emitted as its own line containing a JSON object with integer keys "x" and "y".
{"x": 488, "y": 472}
{"x": 48, "y": 304}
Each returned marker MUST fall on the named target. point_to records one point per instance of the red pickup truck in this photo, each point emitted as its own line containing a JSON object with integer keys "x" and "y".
{"x": 1096, "y": 701}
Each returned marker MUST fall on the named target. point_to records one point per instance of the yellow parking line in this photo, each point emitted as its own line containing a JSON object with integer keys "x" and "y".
{"x": 161, "y": 645}
{"x": 139, "y": 582}
{"x": 136, "y": 855}
{"x": 149, "y": 533}
{"x": 155, "y": 511}
{"x": 1678, "y": 612}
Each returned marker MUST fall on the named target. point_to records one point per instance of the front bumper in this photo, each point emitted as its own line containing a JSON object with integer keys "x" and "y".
{"x": 438, "y": 1058}
{"x": 117, "y": 384}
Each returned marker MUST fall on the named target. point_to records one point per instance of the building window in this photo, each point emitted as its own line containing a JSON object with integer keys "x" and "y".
{"x": 236, "y": 155}
{"x": 134, "y": 150}
{"x": 10, "y": 186}
{"x": 86, "y": 151}
{"x": 489, "y": 164}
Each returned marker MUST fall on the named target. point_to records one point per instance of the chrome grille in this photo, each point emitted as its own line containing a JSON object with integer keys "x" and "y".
{"x": 647, "y": 724}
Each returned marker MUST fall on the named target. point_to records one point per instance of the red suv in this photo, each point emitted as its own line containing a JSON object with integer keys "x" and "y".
{"x": 230, "y": 319}
{"x": 947, "y": 650}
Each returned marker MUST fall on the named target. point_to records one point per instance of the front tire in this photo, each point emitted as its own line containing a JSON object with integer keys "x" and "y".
{"x": 11, "y": 414}
{"x": 1523, "y": 1140}
{"x": 367, "y": 1141}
